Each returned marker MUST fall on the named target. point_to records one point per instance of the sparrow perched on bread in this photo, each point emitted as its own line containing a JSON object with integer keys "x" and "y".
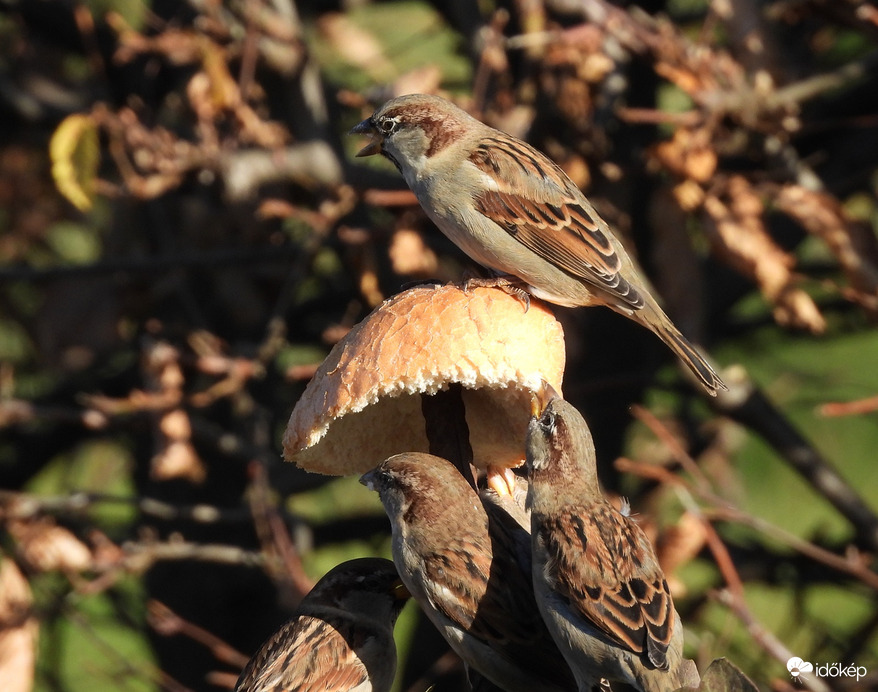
{"x": 514, "y": 211}
{"x": 339, "y": 640}
{"x": 597, "y": 581}
{"x": 469, "y": 572}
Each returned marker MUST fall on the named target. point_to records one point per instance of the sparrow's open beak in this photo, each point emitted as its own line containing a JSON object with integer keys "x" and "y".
{"x": 367, "y": 128}
{"x": 541, "y": 398}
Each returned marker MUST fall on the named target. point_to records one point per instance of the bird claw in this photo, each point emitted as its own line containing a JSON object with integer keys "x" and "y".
{"x": 508, "y": 284}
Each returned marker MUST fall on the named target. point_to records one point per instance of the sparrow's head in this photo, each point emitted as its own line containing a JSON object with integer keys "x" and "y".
{"x": 368, "y": 585}
{"x": 410, "y": 130}
{"x": 418, "y": 488}
{"x": 559, "y": 444}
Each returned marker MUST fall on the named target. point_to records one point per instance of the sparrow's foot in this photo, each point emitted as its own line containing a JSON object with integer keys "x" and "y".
{"x": 509, "y": 284}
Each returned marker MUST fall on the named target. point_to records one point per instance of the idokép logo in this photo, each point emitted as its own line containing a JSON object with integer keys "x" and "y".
{"x": 797, "y": 666}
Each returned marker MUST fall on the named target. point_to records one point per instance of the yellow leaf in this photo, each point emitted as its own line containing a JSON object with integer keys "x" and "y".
{"x": 75, "y": 153}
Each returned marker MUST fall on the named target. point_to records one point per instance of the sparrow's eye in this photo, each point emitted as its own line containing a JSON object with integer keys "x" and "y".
{"x": 388, "y": 126}
{"x": 547, "y": 421}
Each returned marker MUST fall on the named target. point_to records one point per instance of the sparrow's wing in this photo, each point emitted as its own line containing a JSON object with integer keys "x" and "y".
{"x": 309, "y": 655}
{"x": 491, "y": 597}
{"x": 602, "y": 563}
{"x": 464, "y": 585}
{"x": 536, "y": 203}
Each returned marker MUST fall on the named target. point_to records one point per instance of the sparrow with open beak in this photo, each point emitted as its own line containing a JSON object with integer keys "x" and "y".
{"x": 597, "y": 581}
{"x": 340, "y": 639}
{"x": 514, "y": 211}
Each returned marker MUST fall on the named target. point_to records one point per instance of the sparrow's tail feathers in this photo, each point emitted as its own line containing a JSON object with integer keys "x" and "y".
{"x": 691, "y": 357}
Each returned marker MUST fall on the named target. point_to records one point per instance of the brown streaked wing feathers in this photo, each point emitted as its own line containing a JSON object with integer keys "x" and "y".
{"x": 630, "y": 604}
{"x": 549, "y": 215}
{"x": 507, "y": 622}
{"x": 301, "y": 657}
{"x": 500, "y": 609}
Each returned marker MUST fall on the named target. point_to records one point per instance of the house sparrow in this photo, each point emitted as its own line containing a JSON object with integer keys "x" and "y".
{"x": 596, "y": 577}
{"x": 468, "y": 572}
{"x": 514, "y": 211}
{"x": 340, "y": 639}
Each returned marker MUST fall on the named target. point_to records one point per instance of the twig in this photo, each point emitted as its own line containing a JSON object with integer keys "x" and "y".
{"x": 141, "y": 556}
{"x": 15, "y": 505}
{"x": 720, "y": 553}
{"x": 661, "y": 431}
{"x": 167, "y": 623}
{"x": 771, "y": 644}
{"x": 724, "y": 511}
{"x": 280, "y": 549}
{"x": 815, "y": 86}
{"x": 18, "y": 412}
{"x": 852, "y": 565}
{"x": 111, "y": 654}
{"x": 747, "y": 404}
{"x": 716, "y": 545}
{"x": 389, "y": 198}
{"x": 849, "y": 408}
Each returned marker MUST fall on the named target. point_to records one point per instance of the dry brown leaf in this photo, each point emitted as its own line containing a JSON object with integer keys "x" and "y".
{"x": 356, "y": 45}
{"x": 176, "y": 457}
{"x": 689, "y": 154}
{"x": 689, "y": 195}
{"x": 680, "y": 75}
{"x": 410, "y": 255}
{"x": 162, "y": 367}
{"x": 178, "y": 46}
{"x": 224, "y": 92}
{"x": 851, "y": 242}
{"x": 576, "y": 168}
{"x": 737, "y": 232}
{"x": 421, "y": 80}
{"x": 677, "y": 546}
{"x": 47, "y": 547}
{"x": 175, "y": 425}
{"x": 178, "y": 460}
{"x": 595, "y": 67}
{"x": 18, "y": 630}
{"x": 561, "y": 82}
{"x": 370, "y": 286}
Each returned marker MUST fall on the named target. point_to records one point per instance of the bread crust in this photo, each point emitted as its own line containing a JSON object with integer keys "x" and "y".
{"x": 363, "y": 404}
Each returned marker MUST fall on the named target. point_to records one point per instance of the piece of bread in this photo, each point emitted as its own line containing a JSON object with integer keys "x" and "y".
{"x": 364, "y": 403}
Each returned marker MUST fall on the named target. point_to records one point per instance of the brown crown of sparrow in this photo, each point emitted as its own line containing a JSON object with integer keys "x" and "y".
{"x": 596, "y": 577}
{"x": 340, "y": 639}
{"x": 514, "y": 211}
{"x": 469, "y": 572}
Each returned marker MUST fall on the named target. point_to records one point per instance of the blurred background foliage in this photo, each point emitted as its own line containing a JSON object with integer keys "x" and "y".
{"x": 184, "y": 234}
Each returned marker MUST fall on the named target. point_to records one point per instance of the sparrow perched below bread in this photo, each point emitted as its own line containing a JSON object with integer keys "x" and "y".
{"x": 468, "y": 573}
{"x": 341, "y": 638}
{"x": 514, "y": 211}
{"x": 597, "y": 581}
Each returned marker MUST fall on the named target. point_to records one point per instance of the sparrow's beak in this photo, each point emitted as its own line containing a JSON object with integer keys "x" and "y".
{"x": 368, "y": 479}
{"x": 367, "y": 128}
{"x": 541, "y": 398}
